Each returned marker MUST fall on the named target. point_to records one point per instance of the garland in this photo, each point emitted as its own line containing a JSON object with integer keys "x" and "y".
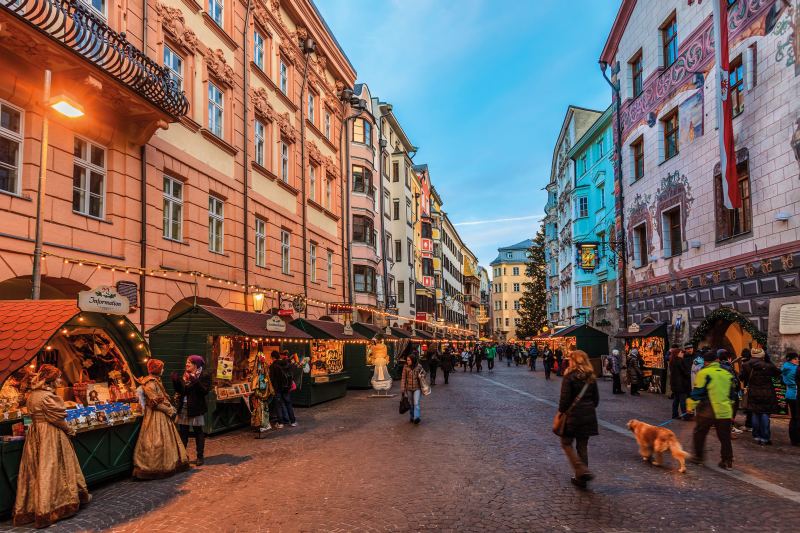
{"x": 730, "y": 315}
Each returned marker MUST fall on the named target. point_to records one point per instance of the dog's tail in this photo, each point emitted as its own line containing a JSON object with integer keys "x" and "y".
{"x": 675, "y": 447}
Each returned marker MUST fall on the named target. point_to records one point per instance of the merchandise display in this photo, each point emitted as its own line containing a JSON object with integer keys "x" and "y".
{"x": 326, "y": 357}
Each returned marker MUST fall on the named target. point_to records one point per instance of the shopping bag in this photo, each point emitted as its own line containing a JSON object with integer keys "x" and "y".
{"x": 405, "y": 405}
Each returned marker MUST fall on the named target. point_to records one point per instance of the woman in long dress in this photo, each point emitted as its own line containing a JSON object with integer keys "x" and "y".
{"x": 159, "y": 451}
{"x": 50, "y": 485}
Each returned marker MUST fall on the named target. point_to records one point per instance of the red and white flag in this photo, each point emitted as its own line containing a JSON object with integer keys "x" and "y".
{"x": 727, "y": 152}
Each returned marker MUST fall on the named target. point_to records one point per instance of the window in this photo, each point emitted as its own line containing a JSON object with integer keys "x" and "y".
{"x": 516, "y": 305}
{"x": 733, "y": 222}
{"x": 509, "y": 255}
{"x": 10, "y": 148}
{"x": 671, "y": 222}
{"x": 261, "y": 242}
{"x": 362, "y": 131}
{"x": 216, "y": 220}
{"x": 362, "y": 180}
{"x": 327, "y": 124}
{"x": 328, "y": 192}
{"x": 215, "y": 106}
{"x": 410, "y": 252}
{"x": 736, "y": 86}
{"x": 640, "y": 249}
{"x": 363, "y": 230}
{"x": 516, "y": 322}
{"x": 312, "y": 182}
{"x": 516, "y": 287}
{"x": 312, "y": 252}
{"x": 507, "y": 321}
{"x": 635, "y": 65}
{"x": 515, "y": 271}
{"x": 258, "y": 49}
{"x": 173, "y": 209}
{"x": 88, "y": 178}
{"x": 497, "y": 322}
{"x": 396, "y": 209}
{"x": 505, "y": 305}
{"x": 398, "y": 252}
{"x": 582, "y": 207}
{"x": 215, "y": 11}
{"x": 669, "y": 41}
{"x": 395, "y": 171}
{"x": 98, "y": 6}
{"x": 637, "y": 150}
{"x": 401, "y": 292}
{"x": 670, "y": 123}
{"x": 582, "y": 166}
{"x": 259, "y": 141}
{"x": 283, "y": 74}
{"x": 284, "y": 162}
{"x": 600, "y": 149}
{"x": 496, "y": 305}
{"x": 330, "y": 268}
{"x": 586, "y": 296}
{"x": 363, "y": 279}
{"x": 286, "y": 250}
{"x": 174, "y": 64}
{"x": 603, "y": 293}
{"x": 311, "y": 102}
{"x": 600, "y": 194}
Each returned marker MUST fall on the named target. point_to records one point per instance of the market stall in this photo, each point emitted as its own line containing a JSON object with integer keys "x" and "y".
{"x": 401, "y": 348}
{"x": 351, "y": 364}
{"x": 100, "y": 355}
{"x": 332, "y": 344}
{"x": 230, "y": 341}
{"x": 584, "y": 337}
{"x": 652, "y": 341}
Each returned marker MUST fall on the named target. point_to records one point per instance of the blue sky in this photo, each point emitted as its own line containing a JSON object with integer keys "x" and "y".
{"x": 481, "y": 86}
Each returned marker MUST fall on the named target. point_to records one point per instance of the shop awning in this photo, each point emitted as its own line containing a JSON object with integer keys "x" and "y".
{"x": 245, "y": 322}
{"x": 25, "y": 327}
{"x": 401, "y": 333}
{"x": 422, "y": 334}
{"x": 370, "y": 331}
{"x": 645, "y": 330}
{"x": 326, "y": 329}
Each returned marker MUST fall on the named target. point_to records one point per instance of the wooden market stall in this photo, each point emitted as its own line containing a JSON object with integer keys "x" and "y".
{"x": 652, "y": 341}
{"x": 100, "y": 356}
{"x": 229, "y": 340}
{"x": 360, "y": 377}
{"x": 584, "y": 337}
{"x": 332, "y": 343}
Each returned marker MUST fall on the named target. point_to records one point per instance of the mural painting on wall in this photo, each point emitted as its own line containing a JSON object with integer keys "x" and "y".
{"x": 788, "y": 50}
{"x": 673, "y": 191}
{"x": 690, "y": 116}
{"x": 638, "y": 214}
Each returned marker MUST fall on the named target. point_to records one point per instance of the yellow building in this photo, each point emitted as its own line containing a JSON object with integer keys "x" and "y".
{"x": 508, "y": 277}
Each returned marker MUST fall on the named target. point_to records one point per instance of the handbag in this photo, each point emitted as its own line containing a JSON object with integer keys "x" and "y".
{"x": 560, "y": 420}
{"x": 744, "y": 403}
{"x": 424, "y": 386}
{"x": 405, "y": 405}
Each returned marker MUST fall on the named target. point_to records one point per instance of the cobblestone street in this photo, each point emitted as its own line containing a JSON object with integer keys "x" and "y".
{"x": 483, "y": 459}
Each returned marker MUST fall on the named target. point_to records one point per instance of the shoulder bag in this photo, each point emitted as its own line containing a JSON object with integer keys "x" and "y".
{"x": 424, "y": 386}
{"x": 560, "y": 420}
{"x": 744, "y": 402}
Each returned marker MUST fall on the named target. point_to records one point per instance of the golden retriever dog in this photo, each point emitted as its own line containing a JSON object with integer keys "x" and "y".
{"x": 654, "y": 441}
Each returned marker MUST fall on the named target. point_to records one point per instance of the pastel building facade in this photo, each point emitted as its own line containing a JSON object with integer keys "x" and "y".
{"x": 508, "y": 277}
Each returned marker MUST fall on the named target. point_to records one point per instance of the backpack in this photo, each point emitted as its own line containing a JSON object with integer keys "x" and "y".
{"x": 288, "y": 379}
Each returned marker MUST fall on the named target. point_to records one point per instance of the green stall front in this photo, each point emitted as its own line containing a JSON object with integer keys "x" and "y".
{"x": 229, "y": 340}
{"x": 332, "y": 347}
{"x": 584, "y": 337}
{"x": 100, "y": 356}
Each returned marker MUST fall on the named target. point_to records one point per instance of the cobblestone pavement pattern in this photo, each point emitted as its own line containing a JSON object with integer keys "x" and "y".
{"x": 483, "y": 459}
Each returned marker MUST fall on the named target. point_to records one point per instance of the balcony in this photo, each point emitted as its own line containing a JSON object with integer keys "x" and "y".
{"x": 80, "y": 32}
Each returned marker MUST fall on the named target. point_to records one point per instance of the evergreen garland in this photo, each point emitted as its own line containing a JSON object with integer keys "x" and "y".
{"x": 533, "y": 304}
{"x": 730, "y": 315}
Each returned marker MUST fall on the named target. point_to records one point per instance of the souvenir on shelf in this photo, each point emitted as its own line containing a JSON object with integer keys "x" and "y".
{"x": 651, "y": 349}
{"x": 326, "y": 357}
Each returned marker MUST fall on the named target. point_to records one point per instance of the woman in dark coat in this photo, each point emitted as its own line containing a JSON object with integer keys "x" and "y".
{"x": 762, "y": 401}
{"x": 679, "y": 381}
{"x": 582, "y": 420}
{"x": 191, "y": 389}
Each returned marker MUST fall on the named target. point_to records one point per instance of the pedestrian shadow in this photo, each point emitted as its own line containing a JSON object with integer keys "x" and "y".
{"x": 227, "y": 459}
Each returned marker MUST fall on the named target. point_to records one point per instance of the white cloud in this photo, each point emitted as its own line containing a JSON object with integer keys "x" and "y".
{"x": 494, "y": 220}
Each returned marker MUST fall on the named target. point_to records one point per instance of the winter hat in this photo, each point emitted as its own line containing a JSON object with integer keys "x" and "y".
{"x": 721, "y": 353}
{"x": 155, "y": 366}
{"x": 757, "y": 353}
{"x": 710, "y": 356}
{"x": 614, "y": 352}
{"x": 688, "y": 345}
{"x": 791, "y": 356}
{"x": 197, "y": 360}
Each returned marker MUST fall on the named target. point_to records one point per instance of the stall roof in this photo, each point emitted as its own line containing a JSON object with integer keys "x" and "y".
{"x": 328, "y": 328}
{"x": 245, "y": 322}
{"x": 422, "y": 334}
{"x": 401, "y": 333}
{"x": 645, "y": 330}
{"x": 25, "y": 326}
{"x": 370, "y": 330}
{"x": 576, "y": 330}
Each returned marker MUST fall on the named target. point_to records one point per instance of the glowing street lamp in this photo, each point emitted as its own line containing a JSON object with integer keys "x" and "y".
{"x": 66, "y": 106}
{"x": 258, "y": 302}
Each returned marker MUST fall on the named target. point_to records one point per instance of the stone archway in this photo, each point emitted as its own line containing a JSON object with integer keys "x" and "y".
{"x": 19, "y": 288}
{"x": 182, "y": 305}
{"x": 728, "y": 329}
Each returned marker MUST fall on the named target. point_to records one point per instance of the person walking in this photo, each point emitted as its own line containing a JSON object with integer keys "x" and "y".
{"x": 559, "y": 355}
{"x": 411, "y": 386}
{"x": 616, "y": 370}
{"x": 480, "y": 352}
{"x": 679, "y": 377}
{"x": 726, "y": 363}
{"x": 547, "y": 361}
{"x": 789, "y": 376}
{"x": 634, "y": 372}
{"x": 491, "y": 353}
{"x": 433, "y": 363}
{"x": 533, "y": 354}
{"x": 281, "y": 378}
{"x": 748, "y": 414}
{"x": 465, "y": 356}
{"x": 579, "y": 399}
{"x": 446, "y": 364}
{"x": 713, "y": 397}
{"x": 191, "y": 389}
{"x": 757, "y": 377}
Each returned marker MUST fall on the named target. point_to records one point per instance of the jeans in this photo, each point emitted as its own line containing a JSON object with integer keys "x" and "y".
{"x": 761, "y": 430}
{"x": 414, "y": 397}
{"x": 533, "y": 364}
{"x": 199, "y": 438}
{"x": 286, "y": 409}
{"x": 433, "y": 368}
{"x": 616, "y": 387}
{"x": 679, "y": 401}
{"x": 578, "y": 457}
{"x": 794, "y": 421}
{"x": 723, "y": 427}
{"x": 490, "y": 363}
{"x": 547, "y": 371}
{"x": 446, "y": 372}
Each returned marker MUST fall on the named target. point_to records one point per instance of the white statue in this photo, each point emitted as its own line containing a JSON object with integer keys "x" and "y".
{"x": 381, "y": 380}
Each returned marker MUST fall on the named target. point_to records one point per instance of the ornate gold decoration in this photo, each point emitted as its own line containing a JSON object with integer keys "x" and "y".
{"x": 689, "y": 283}
{"x": 766, "y": 265}
{"x": 218, "y": 67}
{"x": 732, "y": 273}
{"x": 749, "y": 270}
{"x": 715, "y": 276}
{"x": 787, "y": 261}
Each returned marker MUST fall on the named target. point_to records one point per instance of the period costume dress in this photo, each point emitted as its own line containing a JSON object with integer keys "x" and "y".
{"x": 50, "y": 485}
{"x": 159, "y": 451}
{"x": 381, "y": 380}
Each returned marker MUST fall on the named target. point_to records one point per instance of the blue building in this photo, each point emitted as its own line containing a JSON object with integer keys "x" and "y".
{"x": 593, "y": 214}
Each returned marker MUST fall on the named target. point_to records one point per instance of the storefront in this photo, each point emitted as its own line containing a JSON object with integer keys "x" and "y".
{"x": 653, "y": 343}
{"x": 100, "y": 355}
{"x": 361, "y": 377}
{"x": 584, "y": 337}
{"x": 230, "y": 341}
{"x": 327, "y": 379}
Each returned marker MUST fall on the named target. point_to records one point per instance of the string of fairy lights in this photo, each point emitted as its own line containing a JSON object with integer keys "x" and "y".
{"x": 193, "y": 276}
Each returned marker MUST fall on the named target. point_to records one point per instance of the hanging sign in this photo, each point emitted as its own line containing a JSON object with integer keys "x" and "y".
{"x": 388, "y": 330}
{"x": 348, "y": 329}
{"x": 103, "y": 299}
{"x": 276, "y": 323}
{"x": 587, "y": 256}
{"x": 634, "y": 328}
{"x": 286, "y": 305}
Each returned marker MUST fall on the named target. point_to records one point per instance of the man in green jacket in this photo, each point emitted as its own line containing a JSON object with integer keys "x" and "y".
{"x": 713, "y": 395}
{"x": 491, "y": 353}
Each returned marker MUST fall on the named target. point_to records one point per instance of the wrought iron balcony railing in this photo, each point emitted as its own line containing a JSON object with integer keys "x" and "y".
{"x": 75, "y": 27}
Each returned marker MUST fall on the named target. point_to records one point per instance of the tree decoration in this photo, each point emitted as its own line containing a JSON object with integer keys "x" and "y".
{"x": 533, "y": 304}
{"x": 729, "y": 315}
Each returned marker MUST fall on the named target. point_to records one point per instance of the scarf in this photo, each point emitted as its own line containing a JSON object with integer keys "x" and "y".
{"x": 190, "y": 378}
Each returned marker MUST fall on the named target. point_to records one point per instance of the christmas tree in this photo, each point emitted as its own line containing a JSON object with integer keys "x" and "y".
{"x": 533, "y": 304}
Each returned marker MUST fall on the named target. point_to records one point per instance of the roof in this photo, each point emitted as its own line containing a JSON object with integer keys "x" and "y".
{"x": 645, "y": 330}
{"x": 576, "y": 330}
{"x": 326, "y": 329}
{"x": 331, "y": 34}
{"x": 602, "y": 122}
{"x": 369, "y": 330}
{"x": 401, "y": 333}
{"x": 245, "y": 322}
{"x": 522, "y": 245}
{"x": 422, "y": 334}
{"x": 25, "y": 327}
{"x": 584, "y": 118}
{"x": 617, "y": 29}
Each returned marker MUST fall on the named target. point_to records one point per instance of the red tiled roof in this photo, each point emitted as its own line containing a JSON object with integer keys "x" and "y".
{"x": 252, "y": 324}
{"x": 334, "y": 330}
{"x": 25, "y": 326}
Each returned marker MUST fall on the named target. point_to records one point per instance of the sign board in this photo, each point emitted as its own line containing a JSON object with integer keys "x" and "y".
{"x": 789, "y": 323}
{"x": 348, "y": 329}
{"x": 426, "y": 245}
{"x": 587, "y": 257}
{"x": 427, "y": 281}
{"x": 422, "y": 316}
{"x": 634, "y": 328}
{"x": 276, "y": 323}
{"x": 338, "y": 309}
{"x": 388, "y": 330}
{"x": 286, "y": 305}
{"x": 103, "y": 299}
